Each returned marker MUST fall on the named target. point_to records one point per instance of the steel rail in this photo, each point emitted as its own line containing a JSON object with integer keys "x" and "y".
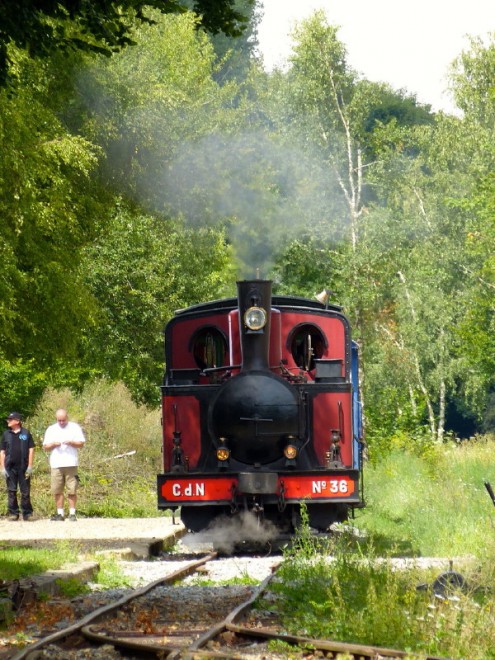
{"x": 91, "y": 618}
{"x": 232, "y": 616}
{"x": 363, "y": 651}
{"x": 123, "y": 639}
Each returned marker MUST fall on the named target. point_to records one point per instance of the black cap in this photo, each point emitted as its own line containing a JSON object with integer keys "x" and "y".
{"x": 15, "y": 415}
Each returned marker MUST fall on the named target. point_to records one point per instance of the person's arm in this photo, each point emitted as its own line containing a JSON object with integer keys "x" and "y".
{"x": 30, "y": 457}
{"x": 75, "y": 443}
{"x": 48, "y": 444}
{"x": 79, "y": 439}
{"x": 29, "y": 469}
{"x": 51, "y": 445}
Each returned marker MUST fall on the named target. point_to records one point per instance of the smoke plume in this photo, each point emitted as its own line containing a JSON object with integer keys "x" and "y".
{"x": 226, "y": 534}
{"x": 263, "y": 192}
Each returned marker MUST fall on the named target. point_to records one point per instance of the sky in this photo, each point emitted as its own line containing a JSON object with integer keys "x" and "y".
{"x": 408, "y": 45}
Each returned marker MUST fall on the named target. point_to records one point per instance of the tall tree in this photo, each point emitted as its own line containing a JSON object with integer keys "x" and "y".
{"x": 140, "y": 271}
{"x": 426, "y": 190}
{"x": 43, "y": 27}
{"x": 472, "y": 81}
{"x": 472, "y": 84}
{"x": 49, "y": 209}
{"x": 235, "y": 53}
{"x": 144, "y": 105}
{"x": 323, "y": 88}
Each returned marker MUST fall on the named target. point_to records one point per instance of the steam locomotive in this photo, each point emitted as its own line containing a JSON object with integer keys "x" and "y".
{"x": 261, "y": 411}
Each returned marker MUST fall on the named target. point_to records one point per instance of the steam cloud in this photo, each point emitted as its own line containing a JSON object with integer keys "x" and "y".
{"x": 224, "y": 534}
{"x": 264, "y": 193}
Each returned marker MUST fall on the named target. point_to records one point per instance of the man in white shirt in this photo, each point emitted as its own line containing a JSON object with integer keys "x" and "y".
{"x": 63, "y": 440}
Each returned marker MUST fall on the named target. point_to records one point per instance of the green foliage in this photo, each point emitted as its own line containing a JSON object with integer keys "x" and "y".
{"x": 110, "y": 575}
{"x": 235, "y": 53}
{"x": 22, "y": 386}
{"x": 352, "y": 597}
{"x": 319, "y": 66}
{"x": 431, "y": 502}
{"x": 47, "y": 26}
{"x": 476, "y": 330}
{"x": 351, "y": 583}
{"x": 149, "y": 102}
{"x": 72, "y": 587}
{"x": 307, "y": 266}
{"x": 472, "y": 81}
{"x": 140, "y": 272}
{"x": 243, "y": 579}
{"x": 48, "y": 212}
{"x": 18, "y": 562}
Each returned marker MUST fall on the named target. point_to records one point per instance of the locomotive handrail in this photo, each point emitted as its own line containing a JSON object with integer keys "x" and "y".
{"x": 291, "y": 401}
{"x": 211, "y": 370}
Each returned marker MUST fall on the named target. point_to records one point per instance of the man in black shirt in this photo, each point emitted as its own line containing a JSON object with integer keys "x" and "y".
{"x": 16, "y": 465}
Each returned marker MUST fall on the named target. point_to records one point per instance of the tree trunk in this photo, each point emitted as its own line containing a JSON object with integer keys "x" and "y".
{"x": 441, "y": 413}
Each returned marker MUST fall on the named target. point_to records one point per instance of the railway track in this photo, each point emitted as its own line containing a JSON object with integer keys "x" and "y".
{"x": 169, "y": 619}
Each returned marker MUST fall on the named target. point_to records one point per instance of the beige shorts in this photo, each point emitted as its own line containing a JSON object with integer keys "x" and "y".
{"x": 64, "y": 476}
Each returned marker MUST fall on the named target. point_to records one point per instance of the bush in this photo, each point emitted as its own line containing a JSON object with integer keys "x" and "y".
{"x": 341, "y": 593}
{"x": 120, "y": 460}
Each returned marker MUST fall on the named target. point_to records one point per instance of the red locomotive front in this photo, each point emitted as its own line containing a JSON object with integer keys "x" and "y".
{"x": 260, "y": 411}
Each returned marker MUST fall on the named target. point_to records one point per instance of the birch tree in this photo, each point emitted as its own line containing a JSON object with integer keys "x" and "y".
{"x": 323, "y": 86}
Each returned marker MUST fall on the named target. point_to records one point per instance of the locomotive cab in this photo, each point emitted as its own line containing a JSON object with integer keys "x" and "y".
{"x": 261, "y": 411}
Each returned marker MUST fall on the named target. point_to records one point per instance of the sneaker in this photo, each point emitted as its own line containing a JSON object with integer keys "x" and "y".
{"x": 57, "y": 516}
{"x": 28, "y": 516}
{"x": 13, "y": 517}
{"x": 72, "y": 517}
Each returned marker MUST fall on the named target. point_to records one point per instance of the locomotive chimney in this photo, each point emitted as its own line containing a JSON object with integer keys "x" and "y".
{"x": 255, "y": 300}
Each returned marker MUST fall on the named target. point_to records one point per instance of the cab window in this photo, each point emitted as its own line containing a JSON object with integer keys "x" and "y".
{"x": 209, "y": 348}
{"x": 307, "y": 343}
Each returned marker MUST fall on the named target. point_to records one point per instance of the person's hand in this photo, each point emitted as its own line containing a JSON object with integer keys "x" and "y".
{"x": 5, "y": 473}
{"x": 29, "y": 472}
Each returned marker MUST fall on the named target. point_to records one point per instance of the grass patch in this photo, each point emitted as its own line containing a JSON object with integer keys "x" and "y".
{"x": 242, "y": 580}
{"x": 432, "y": 505}
{"x": 336, "y": 591}
{"x": 72, "y": 587}
{"x": 110, "y": 575}
{"x": 17, "y": 562}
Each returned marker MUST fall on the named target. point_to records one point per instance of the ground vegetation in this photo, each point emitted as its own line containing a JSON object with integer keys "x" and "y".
{"x": 373, "y": 582}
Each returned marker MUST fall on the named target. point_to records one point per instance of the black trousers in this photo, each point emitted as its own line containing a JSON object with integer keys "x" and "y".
{"x": 15, "y": 480}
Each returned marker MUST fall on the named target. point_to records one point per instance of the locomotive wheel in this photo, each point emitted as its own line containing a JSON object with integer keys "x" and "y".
{"x": 197, "y": 518}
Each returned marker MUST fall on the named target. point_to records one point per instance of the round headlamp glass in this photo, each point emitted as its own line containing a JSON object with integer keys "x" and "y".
{"x": 290, "y": 452}
{"x": 223, "y": 454}
{"x": 255, "y": 318}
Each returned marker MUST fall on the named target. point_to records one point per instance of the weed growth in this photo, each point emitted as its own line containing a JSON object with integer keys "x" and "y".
{"x": 72, "y": 587}
{"x": 120, "y": 460}
{"x": 18, "y": 562}
{"x": 435, "y": 504}
{"x": 110, "y": 575}
{"x": 342, "y": 590}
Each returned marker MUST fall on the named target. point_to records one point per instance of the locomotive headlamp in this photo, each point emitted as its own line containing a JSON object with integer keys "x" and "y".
{"x": 290, "y": 452}
{"x": 255, "y": 318}
{"x": 223, "y": 454}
